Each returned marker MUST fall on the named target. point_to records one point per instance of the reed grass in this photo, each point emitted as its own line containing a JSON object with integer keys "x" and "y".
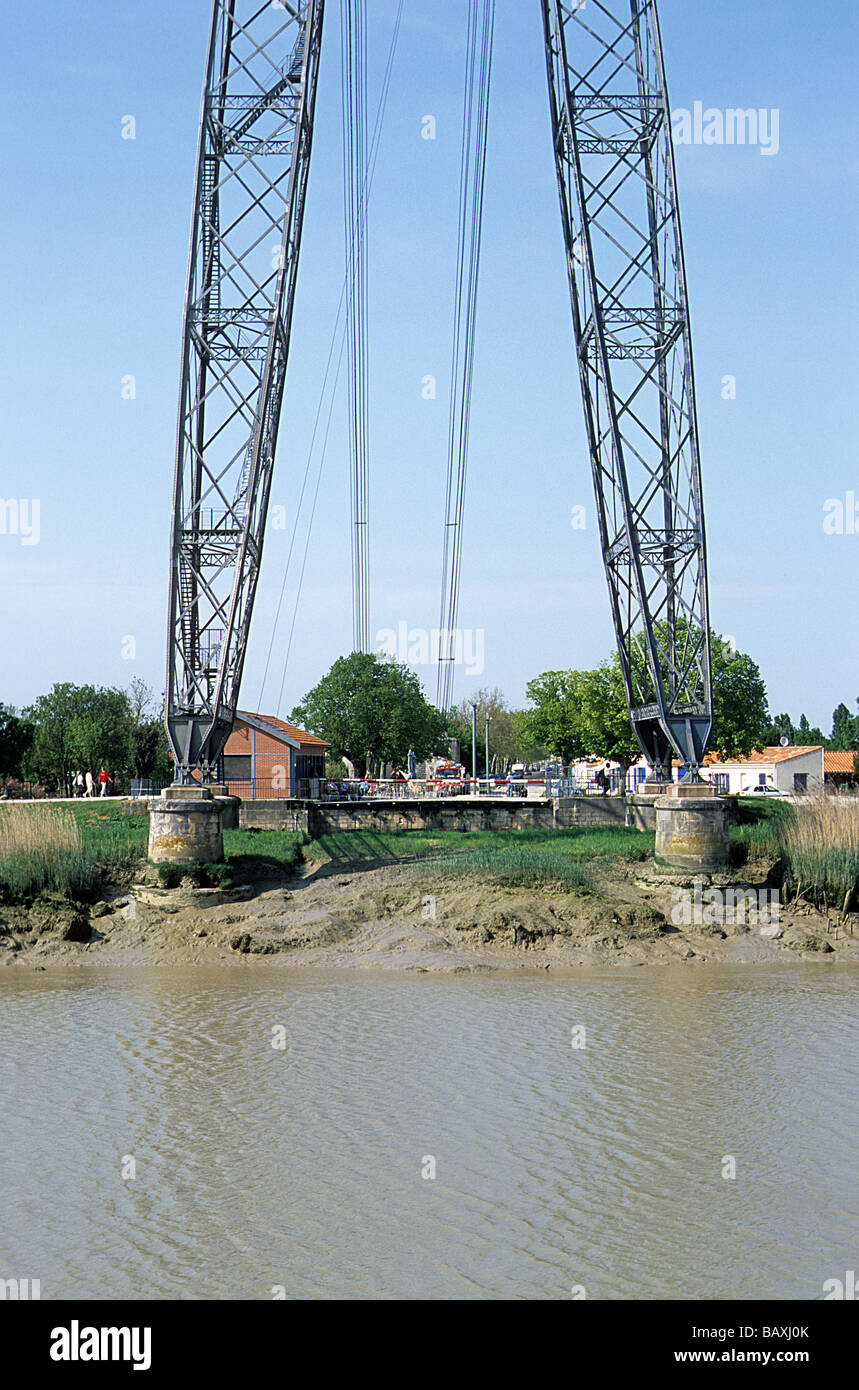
{"x": 819, "y": 843}
{"x": 51, "y": 849}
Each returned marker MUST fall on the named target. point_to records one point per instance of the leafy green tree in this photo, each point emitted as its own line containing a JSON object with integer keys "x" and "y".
{"x": 740, "y": 707}
{"x": 781, "y": 727}
{"x": 50, "y": 758}
{"x": 605, "y": 715}
{"x": 16, "y": 737}
{"x": 845, "y": 730}
{"x": 102, "y": 730}
{"x": 370, "y": 708}
{"x": 555, "y": 720}
{"x": 585, "y": 714}
{"x": 78, "y": 727}
{"x": 580, "y": 714}
{"x": 808, "y": 736}
{"x": 528, "y": 749}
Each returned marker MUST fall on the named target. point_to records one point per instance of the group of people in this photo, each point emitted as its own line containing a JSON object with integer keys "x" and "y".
{"x": 84, "y": 784}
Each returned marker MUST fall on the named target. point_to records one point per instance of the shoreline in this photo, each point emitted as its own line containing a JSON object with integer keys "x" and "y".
{"x": 396, "y": 919}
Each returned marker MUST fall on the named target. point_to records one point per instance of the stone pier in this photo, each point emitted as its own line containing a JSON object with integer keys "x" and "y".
{"x": 692, "y": 830}
{"x": 185, "y": 826}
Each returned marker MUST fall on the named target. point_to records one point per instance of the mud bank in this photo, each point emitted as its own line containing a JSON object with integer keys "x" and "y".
{"x": 394, "y": 917}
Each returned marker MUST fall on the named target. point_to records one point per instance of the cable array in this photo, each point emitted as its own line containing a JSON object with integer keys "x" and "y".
{"x": 338, "y": 335}
{"x": 353, "y": 32}
{"x": 472, "y": 185}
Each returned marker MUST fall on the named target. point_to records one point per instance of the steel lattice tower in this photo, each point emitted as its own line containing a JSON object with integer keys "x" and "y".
{"x": 612, "y": 134}
{"x": 253, "y": 158}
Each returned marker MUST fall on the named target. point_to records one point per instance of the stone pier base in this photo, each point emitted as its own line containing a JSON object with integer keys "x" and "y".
{"x": 185, "y": 827}
{"x": 692, "y": 832}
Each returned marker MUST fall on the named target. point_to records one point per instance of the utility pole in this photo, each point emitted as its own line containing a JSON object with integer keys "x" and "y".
{"x": 487, "y": 753}
{"x": 474, "y": 745}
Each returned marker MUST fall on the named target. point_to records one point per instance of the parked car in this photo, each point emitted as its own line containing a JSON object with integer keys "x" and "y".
{"x": 766, "y": 791}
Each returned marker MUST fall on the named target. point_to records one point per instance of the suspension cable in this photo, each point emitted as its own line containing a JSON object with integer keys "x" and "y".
{"x": 472, "y": 187}
{"x": 353, "y": 30}
{"x": 338, "y": 333}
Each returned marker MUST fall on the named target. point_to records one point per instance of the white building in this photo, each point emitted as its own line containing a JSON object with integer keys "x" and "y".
{"x": 787, "y": 769}
{"x": 791, "y": 770}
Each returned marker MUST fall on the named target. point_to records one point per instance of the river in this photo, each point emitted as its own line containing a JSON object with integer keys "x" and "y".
{"x": 257, "y": 1132}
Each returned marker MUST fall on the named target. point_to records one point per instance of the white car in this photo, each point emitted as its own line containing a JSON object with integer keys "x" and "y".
{"x": 766, "y": 791}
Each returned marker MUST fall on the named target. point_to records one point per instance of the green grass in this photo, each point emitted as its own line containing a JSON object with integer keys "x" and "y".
{"x": 254, "y": 852}
{"x": 73, "y": 850}
{"x": 514, "y": 858}
{"x": 757, "y": 833}
{"x": 100, "y": 844}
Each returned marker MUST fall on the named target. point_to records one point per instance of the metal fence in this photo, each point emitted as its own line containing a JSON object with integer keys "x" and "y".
{"x": 398, "y": 789}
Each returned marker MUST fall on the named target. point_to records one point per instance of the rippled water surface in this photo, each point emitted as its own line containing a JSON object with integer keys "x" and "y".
{"x": 555, "y": 1166}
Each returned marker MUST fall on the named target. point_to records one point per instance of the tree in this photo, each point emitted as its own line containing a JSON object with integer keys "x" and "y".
{"x": 51, "y": 754}
{"x": 740, "y": 707}
{"x": 16, "y": 736}
{"x": 75, "y": 727}
{"x": 605, "y": 715}
{"x": 845, "y": 730}
{"x": 102, "y": 730}
{"x": 148, "y": 747}
{"x": 582, "y": 714}
{"x": 555, "y": 720}
{"x": 510, "y": 739}
{"x": 781, "y": 727}
{"x": 368, "y": 707}
{"x": 585, "y": 713}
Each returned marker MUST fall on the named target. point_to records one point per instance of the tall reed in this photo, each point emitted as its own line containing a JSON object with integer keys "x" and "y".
{"x": 819, "y": 842}
{"x": 41, "y": 848}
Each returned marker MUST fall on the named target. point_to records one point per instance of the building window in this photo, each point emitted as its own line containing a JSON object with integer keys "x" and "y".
{"x": 762, "y": 779}
{"x": 720, "y": 782}
{"x": 237, "y": 769}
{"x": 800, "y": 781}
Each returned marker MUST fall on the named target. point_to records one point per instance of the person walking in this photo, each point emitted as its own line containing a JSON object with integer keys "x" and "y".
{"x": 90, "y": 785}
{"x": 79, "y": 784}
{"x": 103, "y": 780}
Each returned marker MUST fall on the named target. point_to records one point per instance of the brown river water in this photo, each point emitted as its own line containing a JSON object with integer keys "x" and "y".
{"x": 306, "y": 1170}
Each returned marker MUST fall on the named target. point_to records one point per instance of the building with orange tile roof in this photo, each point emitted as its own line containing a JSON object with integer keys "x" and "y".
{"x": 268, "y": 757}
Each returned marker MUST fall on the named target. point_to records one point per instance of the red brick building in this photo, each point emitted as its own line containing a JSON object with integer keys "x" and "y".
{"x": 266, "y": 757}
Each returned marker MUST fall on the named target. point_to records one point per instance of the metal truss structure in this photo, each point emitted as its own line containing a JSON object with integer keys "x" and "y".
{"x": 253, "y": 159}
{"x": 612, "y": 134}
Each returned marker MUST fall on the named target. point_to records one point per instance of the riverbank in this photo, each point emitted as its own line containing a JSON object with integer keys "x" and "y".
{"x": 435, "y": 912}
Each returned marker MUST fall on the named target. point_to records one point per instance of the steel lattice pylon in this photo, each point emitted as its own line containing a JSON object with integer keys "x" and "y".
{"x": 253, "y": 158}
{"x": 612, "y": 134}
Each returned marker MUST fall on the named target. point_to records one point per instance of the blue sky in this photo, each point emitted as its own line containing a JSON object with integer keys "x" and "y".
{"x": 93, "y": 243}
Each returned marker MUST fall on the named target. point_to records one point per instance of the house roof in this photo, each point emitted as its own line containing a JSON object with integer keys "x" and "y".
{"x": 279, "y": 729}
{"x": 765, "y": 755}
{"x": 835, "y": 763}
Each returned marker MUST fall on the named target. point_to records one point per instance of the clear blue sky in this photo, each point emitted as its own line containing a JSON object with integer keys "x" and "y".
{"x": 93, "y": 242}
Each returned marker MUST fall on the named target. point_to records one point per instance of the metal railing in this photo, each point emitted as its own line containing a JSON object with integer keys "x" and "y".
{"x": 398, "y": 788}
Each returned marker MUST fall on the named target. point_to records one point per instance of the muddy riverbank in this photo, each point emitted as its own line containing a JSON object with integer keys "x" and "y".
{"x": 399, "y": 918}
